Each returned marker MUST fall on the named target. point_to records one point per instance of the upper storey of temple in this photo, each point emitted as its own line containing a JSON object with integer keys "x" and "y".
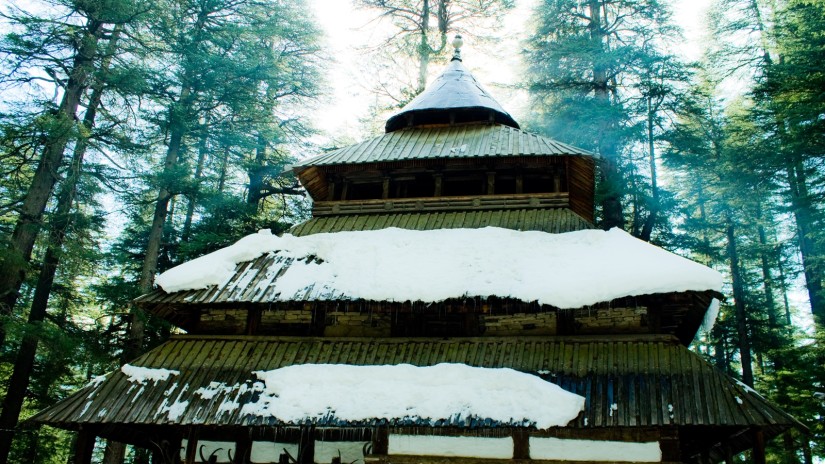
{"x": 454, "y": 149}
{"x": 378, "y": 257}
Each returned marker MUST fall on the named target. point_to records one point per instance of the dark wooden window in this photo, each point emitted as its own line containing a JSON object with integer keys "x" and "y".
{"x": 506, "y": 184}
{"x": 366, "y": 190}
{"x": 464, "y": 184}
{"x": 430, "y": 324}
{"x": 412, "y": 186}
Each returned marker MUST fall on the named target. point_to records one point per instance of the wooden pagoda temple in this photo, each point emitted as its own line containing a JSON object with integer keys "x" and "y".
{"x": 452, "y": 159}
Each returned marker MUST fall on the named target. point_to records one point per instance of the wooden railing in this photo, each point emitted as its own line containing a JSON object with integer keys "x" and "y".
{"x": 437, "y": 204}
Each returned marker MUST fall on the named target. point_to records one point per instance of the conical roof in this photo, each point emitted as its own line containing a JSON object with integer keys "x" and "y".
{"x": 454, "y": 97}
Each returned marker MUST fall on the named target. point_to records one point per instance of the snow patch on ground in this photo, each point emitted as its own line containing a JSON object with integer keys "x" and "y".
{"x": 590, "y": 450}
{"x": 141, "y": 375}
{"x": 468, "y": 447}
{"x": 441, "y": 392}
{"x": 567, "y": 270}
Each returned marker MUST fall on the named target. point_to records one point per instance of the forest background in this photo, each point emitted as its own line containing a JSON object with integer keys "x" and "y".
{"x": 138, "y": 134}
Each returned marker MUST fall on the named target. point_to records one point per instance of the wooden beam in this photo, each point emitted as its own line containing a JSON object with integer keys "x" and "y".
{"x": 439, "y": 181}
{"x": 385, "y": 189}
{"x": 491, "y": 183}
{"x": 84, "y": 446}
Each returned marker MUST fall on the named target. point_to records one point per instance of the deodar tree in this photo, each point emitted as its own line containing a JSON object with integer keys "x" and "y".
{"x": 236, "y": 65}
{"x": 598, "y": 77}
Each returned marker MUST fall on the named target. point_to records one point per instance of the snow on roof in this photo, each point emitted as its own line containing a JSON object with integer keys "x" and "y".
{"x": 140, "y": 375}
{"x": 435, "y": 393}
{"x": 567, "y": 270}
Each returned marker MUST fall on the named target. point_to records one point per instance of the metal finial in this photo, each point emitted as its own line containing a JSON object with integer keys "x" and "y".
{"x": 457, "y": 43}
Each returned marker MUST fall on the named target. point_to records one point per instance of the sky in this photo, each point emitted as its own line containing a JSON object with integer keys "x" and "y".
{"x": 349, "y": 29}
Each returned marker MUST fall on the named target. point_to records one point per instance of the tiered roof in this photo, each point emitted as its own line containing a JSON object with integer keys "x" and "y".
{"x": 454, "y": 97}
{"x": 403, "y": 264}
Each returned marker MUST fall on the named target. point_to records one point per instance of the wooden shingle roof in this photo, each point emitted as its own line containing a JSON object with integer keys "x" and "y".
{"x": 639, "y": 381}
{"x": 461, "y": 141}
{"x": 552, "y": 220}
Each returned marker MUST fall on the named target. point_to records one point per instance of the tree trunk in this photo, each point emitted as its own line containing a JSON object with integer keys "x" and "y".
{"x": 720, "y": 356}
{"x": 801, "y": 203}
{"x": 24, "y": 362}
{"x": 180, "y": 113}
{"x": 13, "y": 269}
{"x": 767, "y": 280}
{"x": 424, "y": 48}
{"x": 610, "y": 176}
{"x": 222, "y": 174}
{"x": 803, "y": 214}
{"x": 193, "y": 196}
{"x": 807, "y": 456}
{"x": 790, "y": 448}
{"x": 650, "y": 222}
{"x": 783, "y": 285}
{"x": 256, "y": 175}
{"x": 739, "y": 305}
{"x": 177, "y": 120}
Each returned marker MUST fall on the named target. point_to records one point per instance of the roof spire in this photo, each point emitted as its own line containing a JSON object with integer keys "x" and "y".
{"x": 457, "y": 43}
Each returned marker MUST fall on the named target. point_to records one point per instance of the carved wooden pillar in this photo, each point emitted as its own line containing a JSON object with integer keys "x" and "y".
{"x": 191, "y": 446}
{"x": 669, "y": 444}
{"x": 385, "y": 189}
{"x": 491, "y": 183}
{"x": 521, "y": 444}
{"x": 758, "y": 446}
{"x": 439, "y": 181}
{"x": 381, "y": 441}
{"x": 331, "y": 191}
{"x": 728, "y": 454}
{"x": 306, "y": 445}
{"x": 243, "y": 449}
{"x": 167, "y": 451}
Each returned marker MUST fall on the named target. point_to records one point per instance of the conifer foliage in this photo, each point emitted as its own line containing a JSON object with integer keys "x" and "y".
{"x": 731, "y": 178}
{"x": 174, "y": 119}
{"x": 138, "y": 134}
